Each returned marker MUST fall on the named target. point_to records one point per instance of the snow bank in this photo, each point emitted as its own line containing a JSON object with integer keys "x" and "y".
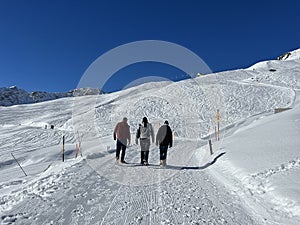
{"x": 262, "y": 161}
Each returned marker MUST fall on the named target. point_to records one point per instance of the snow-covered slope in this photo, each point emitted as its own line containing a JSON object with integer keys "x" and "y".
{"x": 237, "y": 187}
{"x": 262, "y": 163}
{"x": 16, "y": 96}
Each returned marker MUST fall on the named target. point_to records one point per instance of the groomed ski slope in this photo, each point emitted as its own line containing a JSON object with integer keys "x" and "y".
{"x": 262, "y": 164}
{"x": 233, "y": 186}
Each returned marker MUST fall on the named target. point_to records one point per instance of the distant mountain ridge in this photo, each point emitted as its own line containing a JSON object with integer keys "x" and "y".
{"x": 15, "y": 96}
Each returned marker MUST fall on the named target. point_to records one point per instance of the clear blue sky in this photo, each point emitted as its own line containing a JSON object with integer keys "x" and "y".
{"x": 48, "y": 44}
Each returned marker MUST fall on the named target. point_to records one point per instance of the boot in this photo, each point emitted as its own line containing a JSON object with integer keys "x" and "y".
{"x": 161, "y": 162}
{"x": 165, "y": 162}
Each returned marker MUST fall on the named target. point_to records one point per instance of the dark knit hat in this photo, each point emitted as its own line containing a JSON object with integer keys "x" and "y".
{"x": 167, "y": 122}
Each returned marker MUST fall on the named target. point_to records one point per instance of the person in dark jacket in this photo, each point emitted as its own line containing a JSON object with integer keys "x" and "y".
{"x": 164, "y": 139}
{"x": 144, "y": 133}
{"x": 122, "y": 136}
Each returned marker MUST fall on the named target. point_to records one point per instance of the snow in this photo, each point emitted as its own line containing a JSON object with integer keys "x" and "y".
{"x": 252, "y": 177}
{"x": 263, "y": 159}
{"x": 293, "y": 55}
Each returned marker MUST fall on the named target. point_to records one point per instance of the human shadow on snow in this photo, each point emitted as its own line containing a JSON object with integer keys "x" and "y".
{"x": 95, "y": 155}
{"x": 110, "y": 151}
{"x": 172, "y": 167}
{"x": 195, "y": 167}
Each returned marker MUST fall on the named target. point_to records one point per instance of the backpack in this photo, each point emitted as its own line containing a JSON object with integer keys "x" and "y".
{"x": 145, "y": 132}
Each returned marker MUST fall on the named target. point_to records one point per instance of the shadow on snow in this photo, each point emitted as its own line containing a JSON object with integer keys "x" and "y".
{"x": 195, "y": 167}
{"x": 172, "y": 167}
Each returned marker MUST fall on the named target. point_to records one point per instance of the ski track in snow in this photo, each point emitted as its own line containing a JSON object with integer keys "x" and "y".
{"x": 90, "y": 199}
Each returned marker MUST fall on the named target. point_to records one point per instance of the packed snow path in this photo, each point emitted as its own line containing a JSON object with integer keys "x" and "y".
{"x": 189, "y": 197}
{"x": 182, "y": 193}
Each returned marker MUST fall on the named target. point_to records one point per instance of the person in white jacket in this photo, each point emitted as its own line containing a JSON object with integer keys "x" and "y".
{"x": 144, "y": 133}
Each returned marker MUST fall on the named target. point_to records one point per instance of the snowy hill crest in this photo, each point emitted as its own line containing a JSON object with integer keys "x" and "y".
{"x": 293, "y": 55}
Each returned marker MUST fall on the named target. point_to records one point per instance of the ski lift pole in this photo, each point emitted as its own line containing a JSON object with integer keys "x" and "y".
{"x": 18, "y": 163}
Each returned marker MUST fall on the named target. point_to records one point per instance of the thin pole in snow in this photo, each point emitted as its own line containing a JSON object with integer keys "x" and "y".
{"x": 216, "y": 136}
{"x": 63, "y": 149}
{"x": 18, "y": 164}
{"x": 76, "y": 152}
{"x": 218, "y": 131}
{"x": 210, "y": 147}
{"x": 218, "y": 117}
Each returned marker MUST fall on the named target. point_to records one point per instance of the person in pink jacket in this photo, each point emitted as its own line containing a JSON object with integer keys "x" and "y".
{"x": 122, "y": 136}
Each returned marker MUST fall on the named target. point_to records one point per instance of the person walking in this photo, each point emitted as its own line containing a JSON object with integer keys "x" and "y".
{"x": 164, "y": 139}
{"x": 144, "y": 133}
{"x": 122, "y": 136}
